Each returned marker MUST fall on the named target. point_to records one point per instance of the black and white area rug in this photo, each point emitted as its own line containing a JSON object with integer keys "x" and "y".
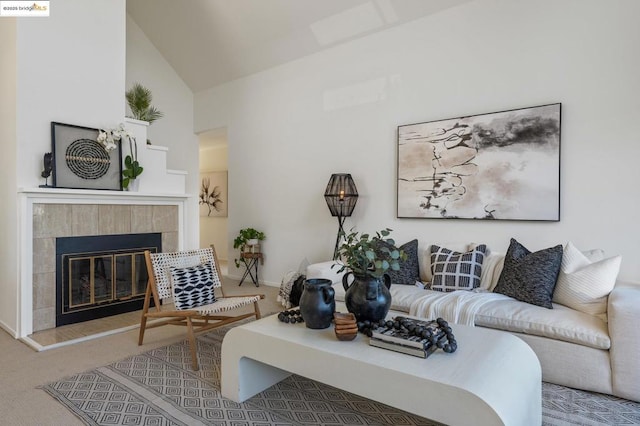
{"x": 159, "y": 388}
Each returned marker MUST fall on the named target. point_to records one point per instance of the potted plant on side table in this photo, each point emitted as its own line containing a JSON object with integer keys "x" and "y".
{"x": 247, "y": 237}
{"x": 368, "y": 258}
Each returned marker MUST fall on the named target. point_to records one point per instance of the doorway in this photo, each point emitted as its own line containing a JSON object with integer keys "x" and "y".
{"x": 213, "y": 198}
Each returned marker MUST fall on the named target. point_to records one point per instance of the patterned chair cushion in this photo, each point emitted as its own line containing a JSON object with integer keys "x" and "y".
{"x": 453, "y": 270}
{"x": 530, "y": 277}
{"x": 192, "y": 286}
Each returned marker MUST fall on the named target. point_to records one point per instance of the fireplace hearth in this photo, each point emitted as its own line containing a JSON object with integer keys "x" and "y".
{"x": 99, "y": 276}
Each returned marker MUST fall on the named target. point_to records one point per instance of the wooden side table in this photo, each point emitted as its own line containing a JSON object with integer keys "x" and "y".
{"x": 250, "y": 261}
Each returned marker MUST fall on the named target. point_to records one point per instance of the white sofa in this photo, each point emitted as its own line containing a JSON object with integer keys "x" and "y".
{"x": 575, "y": 349}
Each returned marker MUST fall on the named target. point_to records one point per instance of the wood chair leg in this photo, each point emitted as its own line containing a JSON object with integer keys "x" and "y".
{"x": 192, "y": 344}
{"x": 257, "y": 310}
{"x": 145, "y": 309}
{"x": 143, "y": 326}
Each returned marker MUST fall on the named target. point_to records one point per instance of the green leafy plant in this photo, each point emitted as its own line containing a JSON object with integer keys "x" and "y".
{"x": 244, "y": 235}
{"x": 139, "y": 99}
{"x": 370, "y": 255}
{"x": 132, "y": 168}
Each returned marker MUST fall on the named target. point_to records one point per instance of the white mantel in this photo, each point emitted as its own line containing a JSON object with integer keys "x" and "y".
{"x": 28, "y": 197}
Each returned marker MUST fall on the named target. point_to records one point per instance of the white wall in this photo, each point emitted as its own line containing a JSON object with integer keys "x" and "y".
{"x": 290, "y": 127}
{"x": 8, "y": 166}
{"x": 213, "y": 230}
{"x": 171, "y": 95}
{"x": 70, "y": 69}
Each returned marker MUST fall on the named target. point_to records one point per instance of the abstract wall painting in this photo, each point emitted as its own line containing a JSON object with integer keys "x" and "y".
{"x": 213, "y": 194}
{"x": 502, "y": 165}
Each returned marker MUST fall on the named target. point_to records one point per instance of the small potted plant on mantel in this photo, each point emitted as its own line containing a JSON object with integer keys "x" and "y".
{"x": 247, "y": 237}
{"x": 139, "y": 100}
{"x": 368, "y": 258}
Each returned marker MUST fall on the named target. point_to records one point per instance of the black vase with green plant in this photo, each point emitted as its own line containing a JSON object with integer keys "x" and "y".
{"x": 368, "y": 258}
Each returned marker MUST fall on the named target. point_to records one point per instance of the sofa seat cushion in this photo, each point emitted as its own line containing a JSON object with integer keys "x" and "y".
{"x": 560, "y": 323}
{"x": 403, "y": 296}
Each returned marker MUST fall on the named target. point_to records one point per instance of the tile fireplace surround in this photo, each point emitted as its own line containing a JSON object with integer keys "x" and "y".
{"x": 50, "y": 213}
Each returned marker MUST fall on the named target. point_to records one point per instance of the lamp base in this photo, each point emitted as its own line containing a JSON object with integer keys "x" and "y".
{"x": 340, "y": 236}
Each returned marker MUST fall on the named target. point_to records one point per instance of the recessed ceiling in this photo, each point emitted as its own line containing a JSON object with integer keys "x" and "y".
{"x": 210, "y": 42}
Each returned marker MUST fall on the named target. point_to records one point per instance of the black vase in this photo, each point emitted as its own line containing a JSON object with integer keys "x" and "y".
{"x": 367, "y": 298}
{"x": 317, "y": 303}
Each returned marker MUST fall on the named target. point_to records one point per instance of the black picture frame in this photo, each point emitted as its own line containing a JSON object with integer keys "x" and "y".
{"x": 81, "y": 162}
{"x": 498, "y": 166}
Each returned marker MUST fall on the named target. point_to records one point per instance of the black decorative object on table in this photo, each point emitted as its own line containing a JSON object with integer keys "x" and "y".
{"x": 367, "y": 298}
{"x": 412, "y": 336}
{"x": 317, "y": 303}
{"x": 292, "y": 316}
{"x": 48, "y": 168}
{"x": 369, "y": 258}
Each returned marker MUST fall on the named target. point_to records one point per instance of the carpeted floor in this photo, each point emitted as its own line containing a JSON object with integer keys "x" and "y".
{"x": 158, "y": 387}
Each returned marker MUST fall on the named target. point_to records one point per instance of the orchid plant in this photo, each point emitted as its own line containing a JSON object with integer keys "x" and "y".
{"x": 110, "y": 138}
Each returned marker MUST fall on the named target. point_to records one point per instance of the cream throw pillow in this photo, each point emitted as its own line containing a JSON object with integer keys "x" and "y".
{"x": 585, "y": 285}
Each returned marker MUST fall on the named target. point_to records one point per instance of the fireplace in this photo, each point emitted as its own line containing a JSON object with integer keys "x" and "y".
{"x": 99, "y": 276}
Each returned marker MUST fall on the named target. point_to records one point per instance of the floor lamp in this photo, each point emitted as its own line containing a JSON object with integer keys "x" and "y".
{"x": 341, "y": 196}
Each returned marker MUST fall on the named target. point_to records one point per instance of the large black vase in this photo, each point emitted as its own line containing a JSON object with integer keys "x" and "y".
{"x": 317, "y": 303}
{"x": 366, "y": 297}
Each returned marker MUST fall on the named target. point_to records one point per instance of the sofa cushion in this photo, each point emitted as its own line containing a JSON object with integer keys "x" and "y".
{"x": 453, "y": 270}
{"x": 530, "y": 276}
{"x": 409, "y": 271}
{"x": 403, "y": 295}
{"x": 560, "y": 323}
{"x": 583, "y": 284}
{"x": 424, "y": 256}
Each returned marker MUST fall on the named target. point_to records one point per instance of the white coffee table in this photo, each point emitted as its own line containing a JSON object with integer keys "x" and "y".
{"x": 493, "y": 378}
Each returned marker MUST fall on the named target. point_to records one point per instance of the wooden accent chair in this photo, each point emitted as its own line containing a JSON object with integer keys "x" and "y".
{"x": 198, "y": 312}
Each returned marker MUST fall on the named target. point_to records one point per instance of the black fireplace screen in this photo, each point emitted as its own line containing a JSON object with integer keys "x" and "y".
{"x": 101, "y": 276}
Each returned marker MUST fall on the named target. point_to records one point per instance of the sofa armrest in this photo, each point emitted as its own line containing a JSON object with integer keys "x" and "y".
{"x": 325, "y": 270}
{"x": 623, "y": 313}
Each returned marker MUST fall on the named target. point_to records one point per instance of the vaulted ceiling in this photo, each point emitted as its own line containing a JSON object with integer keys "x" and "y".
{"x": 210, "y": 42}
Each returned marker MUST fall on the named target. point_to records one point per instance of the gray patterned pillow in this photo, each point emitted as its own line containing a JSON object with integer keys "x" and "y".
{"x": 192, "y": 286}
{"x": 530, "y": 277}
{"x": 409, "y": 271}
{"x": 452, "y": 270}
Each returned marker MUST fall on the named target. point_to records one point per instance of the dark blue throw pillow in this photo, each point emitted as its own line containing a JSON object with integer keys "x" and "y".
{"x": 530, "y": 277}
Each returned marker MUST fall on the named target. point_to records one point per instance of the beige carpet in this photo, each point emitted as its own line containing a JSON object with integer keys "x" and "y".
{"x": 22, "y": 369}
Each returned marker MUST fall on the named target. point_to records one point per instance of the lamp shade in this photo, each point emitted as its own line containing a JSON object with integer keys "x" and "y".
{"x": 341, "y": 194}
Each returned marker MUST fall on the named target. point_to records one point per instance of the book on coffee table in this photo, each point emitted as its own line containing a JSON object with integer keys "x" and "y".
{"x": 410, "y": 350}
{"x": 402, "y": 337}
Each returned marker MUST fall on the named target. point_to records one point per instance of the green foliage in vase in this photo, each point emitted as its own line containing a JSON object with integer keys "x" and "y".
{"x": 370, "y": 255}
{"x": 139, "y": 99}
{"x": 244, "y": 235}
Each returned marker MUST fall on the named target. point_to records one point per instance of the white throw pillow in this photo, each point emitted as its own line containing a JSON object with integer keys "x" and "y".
{"x": 585, "y": 285}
